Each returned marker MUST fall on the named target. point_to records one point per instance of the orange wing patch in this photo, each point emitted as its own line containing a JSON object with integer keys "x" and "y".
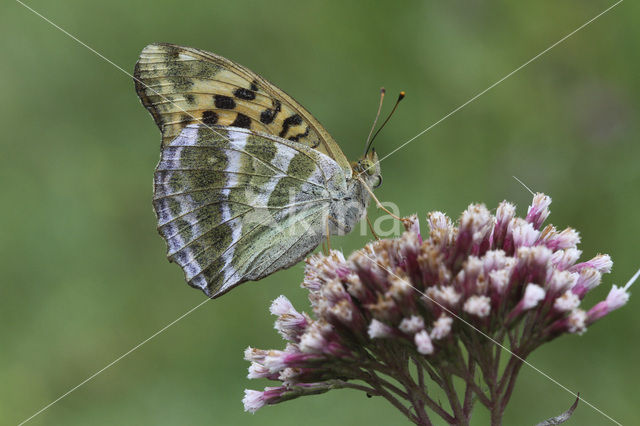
{"x": 181, "y": 85}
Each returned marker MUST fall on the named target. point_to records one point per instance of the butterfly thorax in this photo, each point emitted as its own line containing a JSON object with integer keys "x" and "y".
{"x": 348, "y": 211}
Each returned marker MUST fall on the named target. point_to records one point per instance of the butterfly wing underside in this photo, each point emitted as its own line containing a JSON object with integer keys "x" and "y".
{"x": 182, "y": 85}
{"x": 235, "y": 205}
{"x": 246, "y": 174}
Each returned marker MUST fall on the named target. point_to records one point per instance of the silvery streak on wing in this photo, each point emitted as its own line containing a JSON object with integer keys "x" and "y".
{"x": 242, "y": 206}
{"x": 238, "y": 141}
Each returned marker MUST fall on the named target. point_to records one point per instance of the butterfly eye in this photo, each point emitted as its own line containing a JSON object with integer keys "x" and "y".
{"x": 368, "y": 167}
{"x": 378, "y": 181}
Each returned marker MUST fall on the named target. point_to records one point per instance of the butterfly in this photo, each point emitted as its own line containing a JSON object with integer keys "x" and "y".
{"x": 248, "y": 181}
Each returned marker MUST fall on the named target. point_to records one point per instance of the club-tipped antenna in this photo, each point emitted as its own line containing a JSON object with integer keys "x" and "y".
{"x": 375, "y": 120}
{"x": 400, "y": 97}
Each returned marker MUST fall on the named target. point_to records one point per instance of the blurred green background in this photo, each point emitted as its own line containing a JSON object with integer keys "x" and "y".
{"x": 83, "y": 270}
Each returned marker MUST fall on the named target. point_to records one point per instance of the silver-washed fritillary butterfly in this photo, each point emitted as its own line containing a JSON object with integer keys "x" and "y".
{"x": 248, "y": 181}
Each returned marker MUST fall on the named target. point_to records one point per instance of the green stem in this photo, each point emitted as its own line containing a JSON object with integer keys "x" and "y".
{"x": 468, "y": 392}
{"x": 454, "y": 402}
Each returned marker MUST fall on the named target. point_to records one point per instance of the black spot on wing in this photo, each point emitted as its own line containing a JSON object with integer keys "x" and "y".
{"x": 254, "y": 86}
{"x": 209, "y": 118}
{"x": 297, "y": 137}
{"x": 241, "y": 121}
{"x": 268, "y": 115}
{"x": 242, "y": 93}
{"x": 189, "y": 98}
{"x": 293, "y": 120}
{"x": 224, "y": 102}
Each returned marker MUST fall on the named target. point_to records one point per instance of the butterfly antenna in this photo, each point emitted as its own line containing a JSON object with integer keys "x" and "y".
{"x": 375, "y": 121}
{"x": 400, "y": 97}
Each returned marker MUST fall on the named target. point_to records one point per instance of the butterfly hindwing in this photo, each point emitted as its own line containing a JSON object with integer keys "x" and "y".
{"x": 237, "y": 205}
{"x": 182, "y": 85}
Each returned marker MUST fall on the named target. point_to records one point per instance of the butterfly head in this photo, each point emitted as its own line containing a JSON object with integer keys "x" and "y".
{"x": 368, "y": 169}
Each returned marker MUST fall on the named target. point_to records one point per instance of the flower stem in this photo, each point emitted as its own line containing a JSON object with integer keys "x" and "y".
{"x": 373, "y": 381}
{"x": 469, "y": 390}
{"x": 454, "y": 402}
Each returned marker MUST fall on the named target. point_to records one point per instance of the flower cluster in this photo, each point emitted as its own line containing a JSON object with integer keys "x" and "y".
{"x": 437, "y": 308}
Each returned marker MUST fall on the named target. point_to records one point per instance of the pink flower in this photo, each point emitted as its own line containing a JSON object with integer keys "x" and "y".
{"x": 253, "y": 400}
{"x": 589, "y": 279}
{"x": 423, "y": 343}
{"x": 412, "y": 325}
{"x": 601, "y": 263}
{"x": 562, "y": 280}
{"x": 447, "y": 295}
{"x": 407, "y": 308}
{"x": 539, "y": 210}
{"x": 316, "y": 338}
{"x": 501, "y": 232}
{"x": 532, "y": 295}
{"x": 616, "y": 298}
{"x": 566, "y": 239}
{"x": 564, "y": 259}
{"x": 479, "y": 306}
{"x": 413, "y": 225}
{"x": 567, "y": 302}
{"x": 499, "y": 279}
{"x": 290, "y": 323}
{"x": 441, "y": 327}
{"x": 577, "y": 321}
{"x": 524, "y": 234}
{"x": 258, "y": 371}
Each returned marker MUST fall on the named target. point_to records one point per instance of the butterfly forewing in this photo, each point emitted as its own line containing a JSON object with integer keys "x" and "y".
{"x": 181, "y": 85}
{"x": 236, "y": 205}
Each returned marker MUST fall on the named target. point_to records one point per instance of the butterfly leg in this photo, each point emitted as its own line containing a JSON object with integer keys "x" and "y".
{"x": 405, "y": 221}
{"x": 371, "y": 229}
{"x": 328, "y": 236}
